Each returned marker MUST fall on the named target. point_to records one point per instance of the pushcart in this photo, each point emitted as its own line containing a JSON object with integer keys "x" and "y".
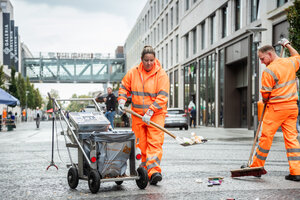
{"x": 103, "y": 153}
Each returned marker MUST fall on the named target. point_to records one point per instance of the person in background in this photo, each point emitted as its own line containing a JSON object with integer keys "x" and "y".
{"x": 149, "y": 86}
{"x": 38, "y": 116}
{"x": 191, "y": 106}
{"x": 193, "y": 117}
{"x": 4, "y": 115}
{"x": 24, "y": 115}
{"x": 279, "y": 92}
{"x": 110, "y": 102}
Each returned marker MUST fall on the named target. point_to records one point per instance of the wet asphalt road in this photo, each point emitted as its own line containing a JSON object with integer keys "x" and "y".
{"x": 26, "y": 152}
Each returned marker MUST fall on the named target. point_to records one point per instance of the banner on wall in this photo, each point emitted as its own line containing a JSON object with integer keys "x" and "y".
{"x": 6, "y": 38}
{"x": 11, "y": 42}
{"x": 16, "y": 47}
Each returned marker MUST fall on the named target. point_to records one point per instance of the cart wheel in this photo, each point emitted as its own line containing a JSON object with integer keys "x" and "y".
{"x": 142, "y": 182}
{"x": 94, "y": 181}
{"x": 73, "y": 177}
{"x": 119, "y": 182}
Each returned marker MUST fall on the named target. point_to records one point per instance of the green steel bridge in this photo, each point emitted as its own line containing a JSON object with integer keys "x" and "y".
{"x": 74, "y": 70}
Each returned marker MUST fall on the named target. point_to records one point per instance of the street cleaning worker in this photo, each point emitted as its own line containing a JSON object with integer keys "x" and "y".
{"x": 279, "y": 91}
{"x": 149, "y": 86}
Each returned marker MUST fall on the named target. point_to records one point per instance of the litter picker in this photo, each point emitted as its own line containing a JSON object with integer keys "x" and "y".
{"x": 53, "y": 115}
{"x": 251, "y": 171}
{"x": 181, "y": 140}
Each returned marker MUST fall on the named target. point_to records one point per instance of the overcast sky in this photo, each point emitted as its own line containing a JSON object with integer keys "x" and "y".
{"x": 89, "y": 26}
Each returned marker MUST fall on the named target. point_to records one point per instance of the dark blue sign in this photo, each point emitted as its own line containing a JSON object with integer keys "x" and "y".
{"x": 6, "y": 38}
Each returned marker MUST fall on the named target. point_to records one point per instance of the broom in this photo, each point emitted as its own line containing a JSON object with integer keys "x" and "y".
{"x": 251, "y": 171}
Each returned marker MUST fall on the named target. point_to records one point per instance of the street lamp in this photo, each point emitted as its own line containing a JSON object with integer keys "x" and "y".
{"x": 256, "y": 31}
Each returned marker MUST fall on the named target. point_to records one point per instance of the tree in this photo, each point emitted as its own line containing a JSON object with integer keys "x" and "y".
{"x": 293, "y": 17}
{"x": 76, "y": 106}
{"x": 38, "y": 98}
{"x": 2, "y": 78}
{"x": 13, "y": 84}
{"x": 53, "y": 94}
{"x": 30, "y": 95}
{"x": 21, "y": 88}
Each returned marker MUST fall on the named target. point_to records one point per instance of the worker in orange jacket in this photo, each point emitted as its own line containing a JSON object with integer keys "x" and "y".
{"x": 279, "y": 91}
{"x": 149, "y": 86}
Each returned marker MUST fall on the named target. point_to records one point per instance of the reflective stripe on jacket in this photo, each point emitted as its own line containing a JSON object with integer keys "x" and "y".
{"x": 279, "y": 80}
{"x": 148, "y": 89}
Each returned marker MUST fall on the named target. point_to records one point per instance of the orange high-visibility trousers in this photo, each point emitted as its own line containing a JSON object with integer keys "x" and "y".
{"x": 149, "y": 140}
{"x": 285, "y": 116}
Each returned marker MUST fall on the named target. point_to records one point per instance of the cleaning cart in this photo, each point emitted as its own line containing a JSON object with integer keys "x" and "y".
{"x": 103, "y": 153}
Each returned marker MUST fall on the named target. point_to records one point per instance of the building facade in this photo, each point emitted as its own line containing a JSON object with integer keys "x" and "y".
{"x": 208, "y": 49}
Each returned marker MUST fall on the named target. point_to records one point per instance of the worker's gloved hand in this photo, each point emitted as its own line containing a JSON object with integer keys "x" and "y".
{"x": 121, "y": 106}
{"x": 147, "y": 116}
{"x": 283, "y": 42}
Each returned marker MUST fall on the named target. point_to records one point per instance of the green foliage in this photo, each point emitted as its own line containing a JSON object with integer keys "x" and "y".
{"x": 13, "y": 84}
{"x": 53, "y": 94}
{"x": 2, "y": 78}
{"x": 21, "y": 89}
{"x": 76, "y": 106}
{"x": 293, "y": 17}
{"x": 38, "y": 98}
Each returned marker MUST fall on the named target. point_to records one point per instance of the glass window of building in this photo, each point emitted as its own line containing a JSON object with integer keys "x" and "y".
{"x": 281, "y": 2}
{"x": 213, "y": 29}
{"x": 162, "y": 57}
{"x": 158, "y": 6}
{"x": 171, "y": 90}
{"x": 167, "y": 23}
{"x": 171, "y": 20}
{"x": 171, "y": 48}
{"x": 154, "y": 9}
{"x": 221, "y": 86}
{"x": 148, "y": 18}
{"x": 194, "y": 32}
{"x": 151, "y": 14}
{"x": 167, "y": 56}
{"x": 203, "y": 35}
{"x": 158, "y": 32}
{"x": 154, "y": 36}
{"x": 211, "y": 90}
{"x": 237, "y": 14}
{"x": 162, "y": 29}
{"x": 254, "y": 9}
{"x": 177, "y": 48}
{"x": 187, "y": 4}
{"x": 162, "y": 4}
{"x": 186, "y": 45}
{"x": 186, "y": 90}
{"x": 176, "y": 84}
{"x": 194, "y": 1}
{"x": 224, "y": 21}
{"x": 177, "y": 13}
{"x": 202, "y": 91}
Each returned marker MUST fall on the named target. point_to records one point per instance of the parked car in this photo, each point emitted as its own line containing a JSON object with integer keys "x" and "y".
{"x": 176, "y": 117}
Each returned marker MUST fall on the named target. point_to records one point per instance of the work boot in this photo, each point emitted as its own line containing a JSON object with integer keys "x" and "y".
{"x": 156, "y": 177}
{"x": 293, "y": 177}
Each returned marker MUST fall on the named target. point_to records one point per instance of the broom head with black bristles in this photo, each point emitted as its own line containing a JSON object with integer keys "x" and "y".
{"x": 248, "y": 171}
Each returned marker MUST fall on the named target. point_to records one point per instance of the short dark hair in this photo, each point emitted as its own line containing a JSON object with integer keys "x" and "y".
{"x": 266, "y": 48}
{"x": 147, "y": 49}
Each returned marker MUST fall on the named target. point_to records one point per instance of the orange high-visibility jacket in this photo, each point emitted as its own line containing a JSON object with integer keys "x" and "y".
{"x": 279, "y": 80}
{"x": 148, "y": 89}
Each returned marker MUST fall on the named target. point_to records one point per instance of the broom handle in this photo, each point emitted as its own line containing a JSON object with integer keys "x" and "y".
{"x": 152, "y": 123}
{"x": 256, "y": 135}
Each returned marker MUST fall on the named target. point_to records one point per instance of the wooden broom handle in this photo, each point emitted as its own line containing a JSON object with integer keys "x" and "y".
{"x": 152, "y": 123}
{"x": 256, "y": 135}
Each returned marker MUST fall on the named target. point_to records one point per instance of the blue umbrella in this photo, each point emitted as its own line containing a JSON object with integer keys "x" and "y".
{"x": 7, "y": 99}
